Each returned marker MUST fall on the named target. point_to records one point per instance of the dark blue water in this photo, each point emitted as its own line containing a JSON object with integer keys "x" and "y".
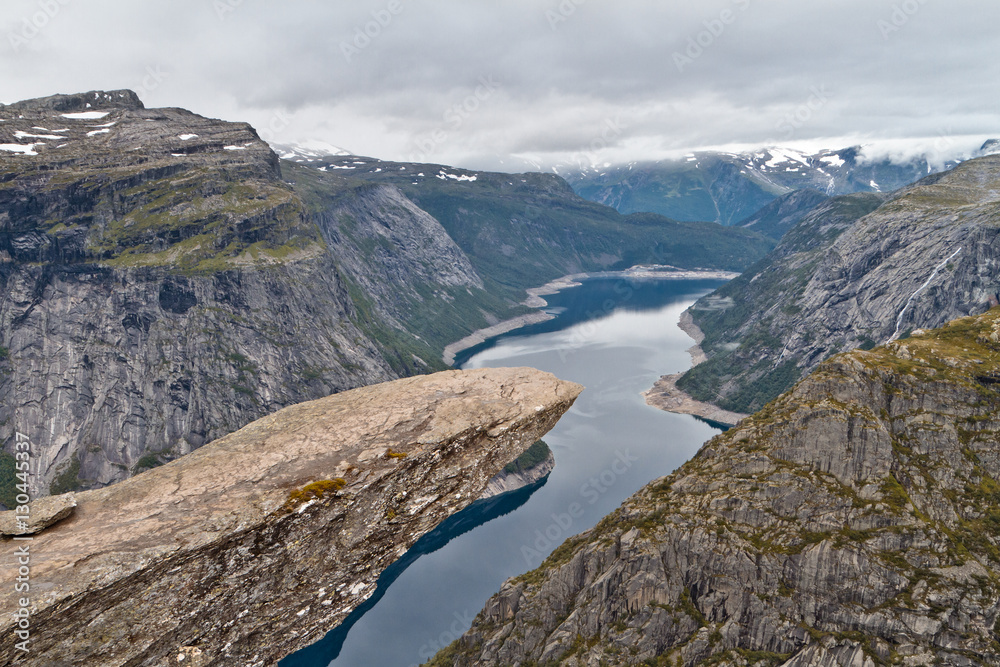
{"x": 615, "y": 337}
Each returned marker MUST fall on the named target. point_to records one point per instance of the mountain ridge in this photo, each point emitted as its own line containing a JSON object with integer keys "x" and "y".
{"x": 850, "y": 522}
{"x": 727, "y": 187}
{"x": 880, "y": 267}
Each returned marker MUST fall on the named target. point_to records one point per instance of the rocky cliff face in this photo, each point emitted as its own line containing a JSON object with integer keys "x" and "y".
{"x": 258, "y": 543}
{"x": 165, "y": 280}
{"x": 523, "y": 230}
{"x": 529, "y": 468}
{"x": 410, "y": 271}
{"x": 783, "y": 213}
{"x": 855, "y": 272}
{"x": 163, "y": 286}
{"x": 853, "y": 522}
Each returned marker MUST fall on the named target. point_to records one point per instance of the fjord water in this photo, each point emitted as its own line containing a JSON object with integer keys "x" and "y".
{"x": 614, "y": 336}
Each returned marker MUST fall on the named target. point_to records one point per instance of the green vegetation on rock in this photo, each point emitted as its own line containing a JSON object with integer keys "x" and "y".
{"x": 69, "y": 479}
{"x": 8, "y": 480}
{"x": 523, "y": 230}
{"x": 870, "y": 490}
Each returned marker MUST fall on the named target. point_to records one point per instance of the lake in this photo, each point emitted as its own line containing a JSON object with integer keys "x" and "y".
{"x": 615, "y": 336}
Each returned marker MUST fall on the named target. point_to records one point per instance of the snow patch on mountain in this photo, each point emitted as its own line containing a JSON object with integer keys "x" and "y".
{"x": 308, "y": 151}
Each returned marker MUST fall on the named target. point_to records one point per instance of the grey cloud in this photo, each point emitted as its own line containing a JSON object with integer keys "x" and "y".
{"x": 678, "y": 74}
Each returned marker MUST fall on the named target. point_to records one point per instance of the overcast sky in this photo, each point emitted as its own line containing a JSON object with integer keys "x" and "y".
{"x": 473, "y": 82}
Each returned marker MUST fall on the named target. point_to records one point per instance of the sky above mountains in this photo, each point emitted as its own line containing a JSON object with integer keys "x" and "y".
{"x": 493, "y": 83}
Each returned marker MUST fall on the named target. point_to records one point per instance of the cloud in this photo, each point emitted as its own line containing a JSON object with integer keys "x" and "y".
{"x": 390, "y": 78}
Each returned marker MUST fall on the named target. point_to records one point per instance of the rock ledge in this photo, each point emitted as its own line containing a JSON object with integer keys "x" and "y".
{"x": 257, "y": 544}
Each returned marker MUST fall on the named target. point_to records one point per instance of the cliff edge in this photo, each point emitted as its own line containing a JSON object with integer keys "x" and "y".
{"x": 853, "y": 522}
{"x": 255, "y": 545}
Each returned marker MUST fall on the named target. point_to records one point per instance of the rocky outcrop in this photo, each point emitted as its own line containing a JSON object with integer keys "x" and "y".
{"x": 43, "y": 513}
{"x": 258, "y": 543}
{"x": 857, "y": 271}
{"x": 853, "y": 522}
{"x": 505, "y": 482}
{"x": 161, "y": 285}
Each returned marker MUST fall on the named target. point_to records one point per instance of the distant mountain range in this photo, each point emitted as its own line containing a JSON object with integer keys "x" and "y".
{"x": 729, "y": 187}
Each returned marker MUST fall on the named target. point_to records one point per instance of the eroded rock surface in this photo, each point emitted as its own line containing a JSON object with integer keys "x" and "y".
{"x": 856, "y": 272}
{"x": 257, "y": 544}
{"x": 162, "y": 285}
{"x": 42, "y": 513}
{"x": 851, "y": 523}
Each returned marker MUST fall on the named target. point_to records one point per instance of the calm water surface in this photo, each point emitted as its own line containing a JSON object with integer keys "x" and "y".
{"x": 615, "y": 337}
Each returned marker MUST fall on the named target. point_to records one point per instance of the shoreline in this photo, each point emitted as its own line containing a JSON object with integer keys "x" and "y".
{"x": 482, "y": 335}
{"x": 667, "y": 396}
{"x": 535, "y": 299}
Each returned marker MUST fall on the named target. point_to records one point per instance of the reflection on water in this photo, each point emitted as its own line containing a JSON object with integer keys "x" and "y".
{"x": 615, "y": 337}
{"x": 472, "y": 516}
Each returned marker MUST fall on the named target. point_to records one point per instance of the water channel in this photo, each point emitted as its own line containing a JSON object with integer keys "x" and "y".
{"x": 615, "y": 336}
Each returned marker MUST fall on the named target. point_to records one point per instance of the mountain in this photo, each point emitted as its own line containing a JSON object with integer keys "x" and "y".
{"x": 166, "y": 279}
{"x": 854, "y": 521}
{"x": 522, "y": 230}
{"x": 776, "y": 218}
{"x": 255, "y": 545}
{"x": 305, "y": 152}
{"x": 730, "y": 187}
{"x": 857, "y": 271}
{"x": 163, "y": 286}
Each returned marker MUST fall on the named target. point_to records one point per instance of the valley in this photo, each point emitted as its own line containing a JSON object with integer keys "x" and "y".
{"x": 167, "y": 280}
{"x": 237, "y": 376}
{"x": 848, "y": 522}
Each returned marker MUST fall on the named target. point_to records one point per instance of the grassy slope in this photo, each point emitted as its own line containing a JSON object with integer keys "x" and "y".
{"x": 522, "y": 230}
